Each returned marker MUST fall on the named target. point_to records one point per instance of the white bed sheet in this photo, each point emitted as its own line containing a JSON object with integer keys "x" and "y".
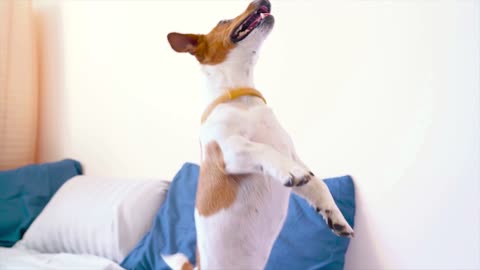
{"x": 20, "y": 258}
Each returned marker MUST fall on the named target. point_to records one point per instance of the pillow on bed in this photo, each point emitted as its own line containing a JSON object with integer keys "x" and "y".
{"x": 312, "y": 247}
{"x": 99, "y": 216}
{"x": 25, "y": 191}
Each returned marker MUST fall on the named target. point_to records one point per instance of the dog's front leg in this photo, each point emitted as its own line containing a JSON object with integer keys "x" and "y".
{"x": 243, "y": 156}
{"x": 316, "y": 192}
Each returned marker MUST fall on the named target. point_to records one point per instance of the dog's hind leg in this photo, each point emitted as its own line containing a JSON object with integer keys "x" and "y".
{"x": 178, "y": 261}
{"x": 316, "y": 192}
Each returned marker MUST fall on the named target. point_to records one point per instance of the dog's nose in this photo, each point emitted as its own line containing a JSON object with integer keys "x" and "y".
{"x": 260, "y": 3}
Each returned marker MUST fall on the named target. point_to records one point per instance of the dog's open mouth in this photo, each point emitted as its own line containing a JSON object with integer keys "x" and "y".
{"x": 250, "y": 23}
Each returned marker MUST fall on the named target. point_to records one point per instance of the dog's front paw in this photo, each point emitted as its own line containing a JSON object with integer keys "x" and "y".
{"x": 336, "y": 221}
{"x": 296, "y": 177}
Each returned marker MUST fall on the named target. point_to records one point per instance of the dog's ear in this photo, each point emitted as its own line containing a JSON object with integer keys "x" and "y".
{"x": 183, "y": 42}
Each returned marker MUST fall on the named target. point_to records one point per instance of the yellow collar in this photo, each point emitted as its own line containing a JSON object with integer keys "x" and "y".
{"x": 231, "y": 95}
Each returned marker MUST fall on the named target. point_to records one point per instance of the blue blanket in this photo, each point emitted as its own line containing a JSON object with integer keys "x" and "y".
{"x": 313, "y": 246}
{"x": 25, "y": 191}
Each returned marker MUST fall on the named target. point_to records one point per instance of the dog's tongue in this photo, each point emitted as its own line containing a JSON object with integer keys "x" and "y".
{"x": 257, "y": 20}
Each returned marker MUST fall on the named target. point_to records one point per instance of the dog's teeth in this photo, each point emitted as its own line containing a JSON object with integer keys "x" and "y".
{"x": 262, "y": 15}
{"x": 244, "y": 32}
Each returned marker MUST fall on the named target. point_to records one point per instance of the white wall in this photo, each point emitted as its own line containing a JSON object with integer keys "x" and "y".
{"x": 385, "y": 91}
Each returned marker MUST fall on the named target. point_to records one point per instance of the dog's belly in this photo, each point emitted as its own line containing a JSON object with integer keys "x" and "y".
{"x": 242, "y": 236}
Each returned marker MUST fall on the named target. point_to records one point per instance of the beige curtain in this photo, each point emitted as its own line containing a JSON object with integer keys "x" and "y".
{"x": 18, "y": 84}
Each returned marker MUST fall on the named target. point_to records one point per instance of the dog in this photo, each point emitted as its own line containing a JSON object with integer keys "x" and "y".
{"x": 248, "y": 165}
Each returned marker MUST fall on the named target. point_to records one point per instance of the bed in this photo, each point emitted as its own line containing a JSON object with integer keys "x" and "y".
{"x": 23, "y": 258}
{"x": 53, "y": 217}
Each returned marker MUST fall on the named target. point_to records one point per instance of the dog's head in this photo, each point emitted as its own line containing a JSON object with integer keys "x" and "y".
{"x": 245, "y": 32}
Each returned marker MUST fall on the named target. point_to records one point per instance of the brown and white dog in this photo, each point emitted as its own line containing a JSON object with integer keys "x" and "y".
{"x": 249, "y": 164}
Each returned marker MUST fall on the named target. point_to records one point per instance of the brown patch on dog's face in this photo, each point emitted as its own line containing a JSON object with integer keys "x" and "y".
{"x": 214, "y": 47}
{"x": 216, "y": 190}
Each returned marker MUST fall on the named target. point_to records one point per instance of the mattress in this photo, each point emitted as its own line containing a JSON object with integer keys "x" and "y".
{"x": 19, "y": 257}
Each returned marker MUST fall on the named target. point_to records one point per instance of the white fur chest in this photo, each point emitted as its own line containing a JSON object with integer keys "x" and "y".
{"x": 254, "y": 122}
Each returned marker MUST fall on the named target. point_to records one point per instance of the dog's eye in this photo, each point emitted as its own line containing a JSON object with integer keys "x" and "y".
{"x": 223, "y": 21}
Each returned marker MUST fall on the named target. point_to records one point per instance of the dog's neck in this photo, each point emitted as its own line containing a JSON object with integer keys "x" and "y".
{"x": 235, "y": 72}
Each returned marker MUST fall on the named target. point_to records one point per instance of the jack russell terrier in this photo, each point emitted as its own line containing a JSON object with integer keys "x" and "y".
{"x": 249, "y": 165}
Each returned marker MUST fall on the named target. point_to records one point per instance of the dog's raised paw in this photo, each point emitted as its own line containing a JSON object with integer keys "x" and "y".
{"x": 297, "y": 177}
{"x": 336, "y": 222}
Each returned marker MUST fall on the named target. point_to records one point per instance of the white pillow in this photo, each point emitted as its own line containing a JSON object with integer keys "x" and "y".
{"x": 98, "y": 216}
